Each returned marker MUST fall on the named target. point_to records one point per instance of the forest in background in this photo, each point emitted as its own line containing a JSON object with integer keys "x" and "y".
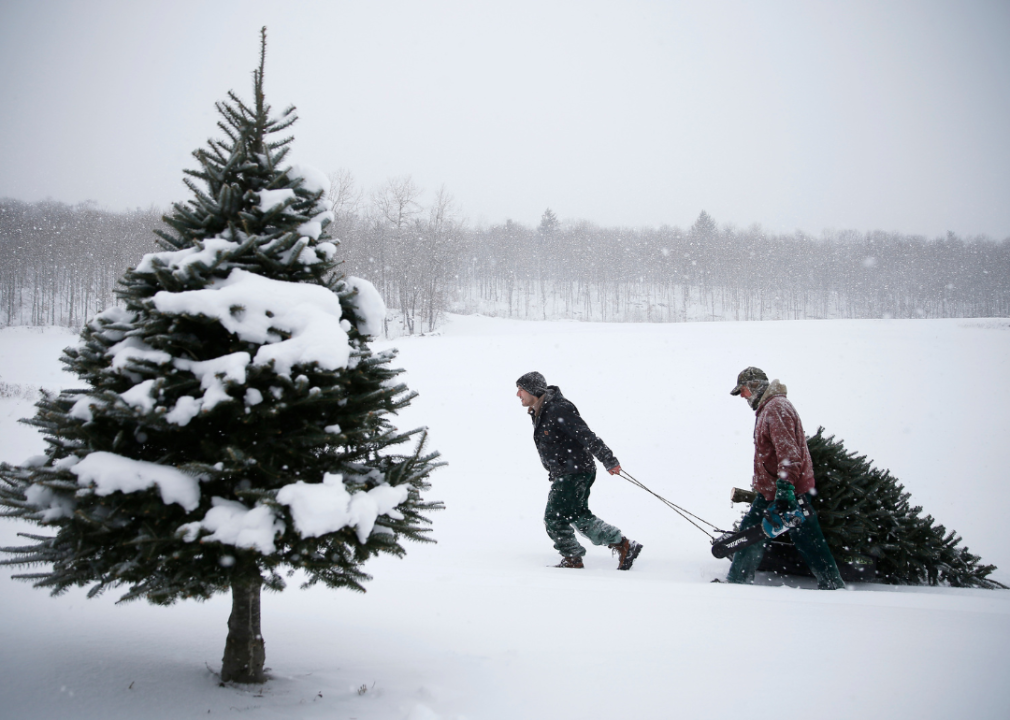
{"x": 59, "y": 265}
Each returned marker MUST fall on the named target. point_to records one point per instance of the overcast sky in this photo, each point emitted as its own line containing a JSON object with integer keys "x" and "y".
{"x": 795, "y": 115}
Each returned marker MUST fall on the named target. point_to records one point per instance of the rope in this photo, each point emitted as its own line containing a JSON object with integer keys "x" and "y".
{"x": 676, "y": 508}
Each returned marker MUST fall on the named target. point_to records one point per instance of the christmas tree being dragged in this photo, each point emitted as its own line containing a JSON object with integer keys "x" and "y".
{"x": 235, "y": 424}
{"x": 865, "y": 513}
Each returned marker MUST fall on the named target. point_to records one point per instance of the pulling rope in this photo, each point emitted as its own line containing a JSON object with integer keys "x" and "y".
{"x": 676, "y": 508}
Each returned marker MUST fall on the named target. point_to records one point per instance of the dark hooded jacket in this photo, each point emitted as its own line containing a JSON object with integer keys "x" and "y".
{"x": 564, "y": 441}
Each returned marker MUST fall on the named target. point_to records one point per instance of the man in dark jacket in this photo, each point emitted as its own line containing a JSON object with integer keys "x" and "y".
{"x": 782, "y": 470}
{"x": 567, "y": 446}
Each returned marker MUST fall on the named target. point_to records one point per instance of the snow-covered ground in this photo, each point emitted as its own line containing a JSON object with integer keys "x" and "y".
{"x": 478, "y": 626}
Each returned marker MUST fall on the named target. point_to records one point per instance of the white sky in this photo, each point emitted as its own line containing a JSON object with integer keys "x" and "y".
{"x": 795, "y": 115}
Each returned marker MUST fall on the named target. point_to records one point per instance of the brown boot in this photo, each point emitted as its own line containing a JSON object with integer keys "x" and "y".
{"x": 627, "y": 551}
{"x": 570, "y": 562}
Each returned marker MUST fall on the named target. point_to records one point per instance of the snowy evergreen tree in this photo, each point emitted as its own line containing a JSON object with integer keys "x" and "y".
{"x": 865, "y": 511}
{"x": 235, "y": 424}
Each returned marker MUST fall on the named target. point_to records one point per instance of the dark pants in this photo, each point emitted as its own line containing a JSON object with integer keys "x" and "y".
{"x": 568, "y": 506}
{"x": 808, "y": 539}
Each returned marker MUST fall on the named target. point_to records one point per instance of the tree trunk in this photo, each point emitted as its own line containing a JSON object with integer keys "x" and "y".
{"x": 244, "y": 651}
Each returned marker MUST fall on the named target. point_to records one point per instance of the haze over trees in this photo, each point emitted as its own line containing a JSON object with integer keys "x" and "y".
{"x": 425, "y": 260}
{"x": 58, "y": 265}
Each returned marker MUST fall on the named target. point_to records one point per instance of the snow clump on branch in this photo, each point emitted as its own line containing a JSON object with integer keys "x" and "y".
{"x": 255, "y": 308}
{"x": 319, "y": 509}
{"x": 107, "y": 473}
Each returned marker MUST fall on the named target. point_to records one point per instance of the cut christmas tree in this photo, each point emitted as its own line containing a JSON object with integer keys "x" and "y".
{"x": 234, "y": 423}
{"x": 868, "y": 521}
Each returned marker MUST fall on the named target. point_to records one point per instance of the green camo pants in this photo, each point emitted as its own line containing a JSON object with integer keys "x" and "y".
{"x": 568, "y": 505}
{"x": 808, "y": 539}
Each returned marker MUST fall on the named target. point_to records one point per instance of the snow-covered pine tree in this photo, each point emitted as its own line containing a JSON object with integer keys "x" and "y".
{"x": 235, "y": 423}
{"x": 865, "y": 511}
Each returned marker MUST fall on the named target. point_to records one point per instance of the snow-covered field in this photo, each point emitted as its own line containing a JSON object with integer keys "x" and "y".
{"x": 478, "y": 626}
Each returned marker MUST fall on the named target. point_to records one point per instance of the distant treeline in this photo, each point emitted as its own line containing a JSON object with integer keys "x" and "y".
{"x": 425, "y": 261}
{"x": 706, "y": 273}
{"x": 59, "y": 264}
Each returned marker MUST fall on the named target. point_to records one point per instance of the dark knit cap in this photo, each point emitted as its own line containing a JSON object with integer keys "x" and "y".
{"x": 748, "y": 375}
{"x": 533, "y": 383}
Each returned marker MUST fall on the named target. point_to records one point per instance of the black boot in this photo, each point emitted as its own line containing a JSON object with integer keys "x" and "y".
{"x": 570, "y": 562}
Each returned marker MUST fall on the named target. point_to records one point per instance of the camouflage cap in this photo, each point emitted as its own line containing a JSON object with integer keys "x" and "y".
{"x": 748, "y": 375}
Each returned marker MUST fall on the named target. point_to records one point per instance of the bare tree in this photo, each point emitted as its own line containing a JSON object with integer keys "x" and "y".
{"x": 395, "y": 207}
{"x": 438, "y": 256}
{"x": 345, "y": 196}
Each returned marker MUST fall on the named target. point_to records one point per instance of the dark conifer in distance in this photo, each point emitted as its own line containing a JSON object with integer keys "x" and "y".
{"x": 235, "y": 423}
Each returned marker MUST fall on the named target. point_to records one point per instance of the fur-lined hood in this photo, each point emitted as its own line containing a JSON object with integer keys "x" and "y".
{"x": 775, "y": 388}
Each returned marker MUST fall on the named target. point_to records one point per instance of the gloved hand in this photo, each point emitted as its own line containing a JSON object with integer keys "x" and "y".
{"x": 784, "y": 513}
{"x": 785, "y": 498}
